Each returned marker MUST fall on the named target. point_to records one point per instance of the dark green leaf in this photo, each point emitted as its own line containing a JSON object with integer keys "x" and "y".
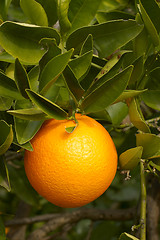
{"x": 8, "y": 88}
{"x": 73, "y": 84}
{"x": 130, "y": 158}
{"x": 101, "y": 116}
{"x": 29, "y": 114}
{"x": 4, "y": 5}
{"x": 117, "y": 112}
{"x": 21, "y": 78}
{"x": 4, "y": 177}
{"x": 81, "y": 13}
{"x": 107, "y": 93}
{"x": 62, "y": 10}
{"x": 5, "y": 57}
{"x": 19, "y": 182}
{"x": 103, "y": 17}
{"x": 2, "y": 230}
{"x": 22, "y": 40}
{"x": 5, "y": 103}
{"x": 138, "y": 70}
{"x": 33, "y": 78}
{"x": 53, "y": 69}
{"x": 129, "y": 94}
{"x": 150, "y": 144}
{"x": 87, "y": 45}
{"x": 80, "y": 65}
{"x": 151, "y": 16}
{"x": 47, "y": 106}
{"x": 35, "y": 12}
{"x": 136, "y": 116}
{"x": 152, "y": 99}
{"x": 107, "y": 37}
{"x": 6, "y": 136}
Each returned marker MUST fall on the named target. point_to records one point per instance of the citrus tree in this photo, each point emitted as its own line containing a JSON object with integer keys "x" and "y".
{"x": 95, "y": 58}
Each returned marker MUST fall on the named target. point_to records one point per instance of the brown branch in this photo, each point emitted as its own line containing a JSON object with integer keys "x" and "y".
{"x": 77, "y": 215}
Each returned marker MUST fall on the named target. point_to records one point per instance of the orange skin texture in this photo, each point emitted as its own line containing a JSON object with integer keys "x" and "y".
{"x": 71, "y": 169}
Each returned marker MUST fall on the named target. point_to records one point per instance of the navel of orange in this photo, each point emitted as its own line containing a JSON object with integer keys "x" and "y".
{"x": 71, "y": 169}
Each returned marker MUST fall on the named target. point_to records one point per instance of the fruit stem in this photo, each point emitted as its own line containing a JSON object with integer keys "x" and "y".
{"x": 143, "y": 202}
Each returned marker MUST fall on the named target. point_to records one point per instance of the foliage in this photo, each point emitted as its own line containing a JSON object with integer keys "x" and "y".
{"x": 100, "y": 58}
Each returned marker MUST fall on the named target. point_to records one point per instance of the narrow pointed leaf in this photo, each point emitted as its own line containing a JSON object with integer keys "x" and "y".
{"x": 53, "y": 69}
{"x": 35, "y": 12}
{"x": 80, "y": 65}
{"x": 151, "y": 140}
{"x": 21, "y": 78}
{"x": 47, "y": 106}
{"x": 107, "y": 93}
{"x": 136, "y": 116}
{"x": 129, "y": 159}
{"x": 107, "y": 37}
{"x": 29, "y": 114}
{"x": 6, "y": 136}
{"x": 4, "y": 176}
{"x": 129, "y": 94}
{"x": 73, "y": 84}
{"x": 8, "y": 88}
{"x": 127, "y": 236}
{"x": 22, "y": 40}
{"x": 87, "y": 45}
{"x": 62, "y": 9}
{"x": 103, "y": 16}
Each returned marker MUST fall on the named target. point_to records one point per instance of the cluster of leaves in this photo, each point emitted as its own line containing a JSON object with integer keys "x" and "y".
{"x": 100, "y": 58}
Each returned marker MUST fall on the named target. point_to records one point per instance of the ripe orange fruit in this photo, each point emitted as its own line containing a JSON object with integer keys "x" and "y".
{"x": 71, "y": 169}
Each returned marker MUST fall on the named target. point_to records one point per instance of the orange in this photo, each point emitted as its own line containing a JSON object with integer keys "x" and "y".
{"x": 71, "y": 169}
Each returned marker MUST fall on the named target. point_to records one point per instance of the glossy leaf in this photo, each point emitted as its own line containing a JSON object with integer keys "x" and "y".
{"x": 151, "y": 15}
{"x": 136, "y": 116}
{"x": 4, "y": 176}
{"x": 152, "y": 99}
{"x": 101, "y": 116}
{"x": 129, "y": 94}
{"x": 107, "y": 93}
{"x": 127, "y": 236}
{"x": 70, "y": 129}
{"x": 80, "y": 65}
{"x": 87, "y": 45}
{"x": 150, "y": 144}
{"x": 22, "y": 40}
{"x": 25, "y": 146}
{"x": 5, "y": 103}
{"x": 62, "y": 10}
{"x": 33, "y": 75}
{"x": 6, "y": 136}
{"x": 4, "y": 5}
{"x": 103, "y": 17}
{"x": 73, "y": 85}
{"x": 5, "y": 57}
{"x": 110, "y": 5}
{"x": 81, "y": 13}
{"x": 53, "y": 69}
{"x": 117, "y": 112}
{"x": 35, "y": 12}
{"x": 28, "y": 114}
{"x": 2, "y": 230}
{"x": 21, "y": 78}
{"x": 137, "y": 73}
{"x": 107, "y": 37}
{"x": 8, "y": 88}
{"x": 129, "y": 159}
{"x": 19, "y": 182}
{"x": 47, "y": 106}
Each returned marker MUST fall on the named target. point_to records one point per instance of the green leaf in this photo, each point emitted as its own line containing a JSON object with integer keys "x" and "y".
{"x": 35, "y": 12}
{"x": 136, "y": 116}
{"x": 6, "y": 136}
{"x": 150, "y": 144}
{"x": 62, "y": 10}
{"x": 19, "y": 182}
{"x": 129, "y": 159}
{"x": 127, "y": 236}
{"x": 80, "y": 65}
{"x": 117, "y": 112}
{"x": 110, "y": 5}
{"x": 2, "y": 230}
{"x": 47, "y": 106}
{"x": 87, "y": 45}
{"x": 4, "y": 177}
{"x": 152, "y": 99}
{"x": 53, "y": 69}
{"x": 4, "y": 5}
{"x": 21, "y": 78}
{"x": 28, "y": 114}
{"x": 73, "y": 85}
{"x": 138, "y": 70}
{"x": 81, "y": 13}
{"x": 101, "y": 116}
{"x": 26, "y": 146}
{"x": 5, "y": 103}
{"x": 103, "y": 17}
{"x": 107, "y": 93}
{"x": 70, "y": 129}
{"x": 129, "y": 94}
{"x": 5, "y": 57}
{"x": 8, "y": 88}
{"x": 151, "y": 15}
{"x": 107, "y": 37}
{"x": 22, "y": 40}
{"x": 33, "y": 78}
